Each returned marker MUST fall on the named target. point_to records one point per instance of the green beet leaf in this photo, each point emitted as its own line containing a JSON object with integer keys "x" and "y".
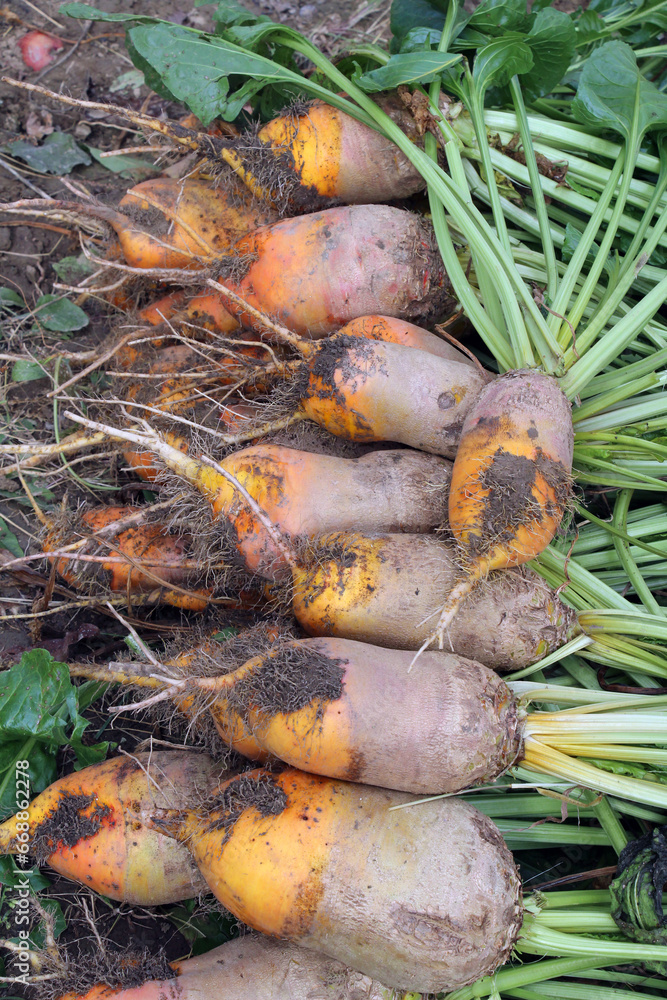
{"x": 196, "y": 69}
{"x": 495, "y": 17}
{"x": 551, "y": 39}
{"x": 39, "y": 712}
{"x": 612, "y": 91}
{"x": 421, "y": 39}
{"x": 42, "y": 771}
{"x": 409, "y": 14}
{"x": 407, "y": 68}
{"x": 8, "y": 540}
{"x": 500, "y": 60}
{"x": 9, "y": 298}
{"x": 24, "y": 370}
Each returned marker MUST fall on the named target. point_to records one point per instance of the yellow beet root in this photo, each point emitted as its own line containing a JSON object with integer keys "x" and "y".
{"x": 328, "y": 865}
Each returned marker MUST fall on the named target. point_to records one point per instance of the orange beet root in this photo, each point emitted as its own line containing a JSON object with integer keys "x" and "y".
{"x": 115, "y": 548}
{"x": 317, "y": 272}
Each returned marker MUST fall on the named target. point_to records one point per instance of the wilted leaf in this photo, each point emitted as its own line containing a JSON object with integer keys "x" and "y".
{"x": 127, "y": 166}
{"x": 10, "y": 298}
{"x": 58, "y": 154}
{"x": 8, "y": 540}
{"x": 60, "y": 315}
{"x": 72, "y": 269}
{"x": 90, "y": 13}
{"x": 132, "y": 80}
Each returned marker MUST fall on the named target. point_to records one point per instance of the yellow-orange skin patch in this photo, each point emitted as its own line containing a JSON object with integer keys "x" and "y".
{"x": 268, "y": 872}
{"x": 315, "y": 142}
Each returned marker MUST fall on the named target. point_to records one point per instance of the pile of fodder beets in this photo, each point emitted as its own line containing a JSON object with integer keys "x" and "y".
{"x": 319, "y": 460}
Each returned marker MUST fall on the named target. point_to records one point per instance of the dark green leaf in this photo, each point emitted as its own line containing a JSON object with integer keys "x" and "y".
{"x": 500, "y": 60}
{"x": 202, "y": 930}
{"x": 9, "y": 298}
{"x": 36, "y": 699}
{"x": 407, "y": 68}
{"x": 196, "y": 68}
{"x": 606, "y": 7}
{"x": 495, "y": 16}
{"x": 551, "y": 39}
{"x": 8, "y": 540}
{"x": 39, "y": 711}
{"x": 589, "y": 25}
{"x": 42, "y": 770}
{"x": 658, "y": 258}
{"x": 60, "y": 315}
{"x": 85, "y": 755}
{"x": 409, "y": 14}
{"x": 12, "y": 875}
{"x": 26, "y": 371}
{"x": 612, "y": 90}
{"x": 58, "y": 154}
{"x": 224, "y": 634}
{"x": 421, "y": 39}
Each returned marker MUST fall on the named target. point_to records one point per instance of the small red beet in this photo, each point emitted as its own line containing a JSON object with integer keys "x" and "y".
{"x": 37, "y": 49}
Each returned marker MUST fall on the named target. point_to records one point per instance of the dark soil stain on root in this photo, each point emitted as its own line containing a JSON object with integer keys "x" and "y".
{"x": 261, "y": 793}
{"x": 289, "y": 681}
{"x": 67, "y": 825}
{"x": 511, "y": 503}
